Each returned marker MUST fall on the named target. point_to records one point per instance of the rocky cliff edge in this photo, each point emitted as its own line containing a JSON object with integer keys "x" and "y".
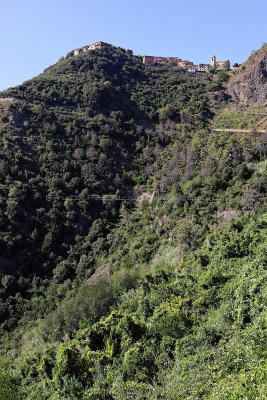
{"x": 249, "y": 82}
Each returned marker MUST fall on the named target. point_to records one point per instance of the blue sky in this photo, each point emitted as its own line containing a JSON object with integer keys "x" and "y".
{"x": 36, "y": 33}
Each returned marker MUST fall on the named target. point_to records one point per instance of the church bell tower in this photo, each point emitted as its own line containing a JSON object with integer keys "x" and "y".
{"x": 213, "y": 61}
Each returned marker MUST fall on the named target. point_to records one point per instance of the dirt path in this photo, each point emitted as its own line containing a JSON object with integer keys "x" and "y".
{"x": 238, "y": 130}
{"x": 7, "y": 98}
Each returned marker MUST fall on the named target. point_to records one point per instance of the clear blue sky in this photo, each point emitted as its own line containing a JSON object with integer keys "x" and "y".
{"x": 36, "y": 33}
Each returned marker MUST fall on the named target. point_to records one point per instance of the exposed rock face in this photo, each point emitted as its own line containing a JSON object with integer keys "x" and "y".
{"x": 249, "y": 84}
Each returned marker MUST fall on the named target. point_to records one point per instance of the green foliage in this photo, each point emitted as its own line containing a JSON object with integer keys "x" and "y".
{"x": 190, "y": 331}
{"x": 254, "y": 119}
{"x": 170, "y": 318}
{"x": 9, "y": 388}
{"x": 167, "y": 112}
{"x": 250, "y": 383}
{"x": 133, "y": 239}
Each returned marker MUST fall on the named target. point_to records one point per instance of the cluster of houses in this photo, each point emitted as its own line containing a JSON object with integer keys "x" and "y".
{"x": 152, "y": 60}
{"x": 96, "y": 45}
{"x": 189, "y": 65}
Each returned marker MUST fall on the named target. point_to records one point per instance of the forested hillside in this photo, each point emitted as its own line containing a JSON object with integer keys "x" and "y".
{"x": 132, "y": 237}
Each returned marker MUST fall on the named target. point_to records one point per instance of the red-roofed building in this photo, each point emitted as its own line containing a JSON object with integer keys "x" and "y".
{"x": 149, "y": 60}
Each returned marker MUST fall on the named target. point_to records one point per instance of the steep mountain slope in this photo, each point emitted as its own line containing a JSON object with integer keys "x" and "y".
{"x": 249, "y": 82}
{"x": 133, "y": 239}
{"x": 76, "y": 132}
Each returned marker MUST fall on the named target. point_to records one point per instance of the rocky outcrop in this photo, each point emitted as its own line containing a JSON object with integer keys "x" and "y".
{"x": 249, "y": 82}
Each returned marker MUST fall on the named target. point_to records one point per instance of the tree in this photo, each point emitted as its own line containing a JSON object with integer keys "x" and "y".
{"x": 8, "y": 387}
{"x": 167, "y": 112}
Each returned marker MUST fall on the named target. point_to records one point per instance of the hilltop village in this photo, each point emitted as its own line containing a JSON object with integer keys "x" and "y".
{"x": 150, "y": 61}
{"x": 223, "y": 65}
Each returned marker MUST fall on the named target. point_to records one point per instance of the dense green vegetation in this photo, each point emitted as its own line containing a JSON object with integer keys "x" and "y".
{"x": 241, "y": 118}
{"x": 133, "y": 240}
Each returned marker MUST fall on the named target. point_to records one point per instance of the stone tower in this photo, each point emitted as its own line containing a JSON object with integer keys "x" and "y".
{"x": 213, "y": 61}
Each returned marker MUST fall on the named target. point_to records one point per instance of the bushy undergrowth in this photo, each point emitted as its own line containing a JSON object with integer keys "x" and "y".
{"x": 189, "y": 327}
{"x": 133, "y": 239}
